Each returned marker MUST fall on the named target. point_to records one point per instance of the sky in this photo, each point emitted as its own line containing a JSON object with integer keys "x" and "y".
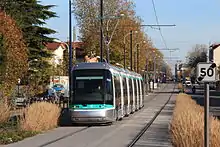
{"x": 197, "y": 22}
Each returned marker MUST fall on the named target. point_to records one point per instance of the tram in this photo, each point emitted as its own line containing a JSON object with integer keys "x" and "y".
{"x": 103, "y": 93}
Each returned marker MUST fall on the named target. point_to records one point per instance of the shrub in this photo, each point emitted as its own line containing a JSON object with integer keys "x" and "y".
{"x": 4, "y": 113}
{"x": 40, "y": 116}
{"x": 180, "y": 85}
{"x": 187, "y": 125}
{"x": 7, "y": 137}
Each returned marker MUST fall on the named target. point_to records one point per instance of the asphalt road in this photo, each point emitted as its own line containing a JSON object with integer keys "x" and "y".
{"x": 214, "y": 100}
{"x": 118, "y": 134}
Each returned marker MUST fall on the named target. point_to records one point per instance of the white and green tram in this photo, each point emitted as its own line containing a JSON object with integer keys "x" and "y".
{"x": 103, "y": 93}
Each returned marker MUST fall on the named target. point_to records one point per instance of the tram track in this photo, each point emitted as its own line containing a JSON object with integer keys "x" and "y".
{"x": 148, "y": 125}
{"x": 77, "y": 133}
{"x": 65, "y": 136}
{"x": 84, "y": 129}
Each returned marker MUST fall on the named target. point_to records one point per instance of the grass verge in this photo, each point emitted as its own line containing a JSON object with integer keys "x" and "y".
{"x": 38, "y": 117}
{"x": 187, "y": 124}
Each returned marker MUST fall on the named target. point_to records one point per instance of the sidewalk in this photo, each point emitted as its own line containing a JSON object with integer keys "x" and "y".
{"x": 102, "y": 136}
{"x": 158, "y": 133}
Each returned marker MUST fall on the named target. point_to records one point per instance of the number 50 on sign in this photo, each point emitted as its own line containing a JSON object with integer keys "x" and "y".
{"x": 206, "y": 72}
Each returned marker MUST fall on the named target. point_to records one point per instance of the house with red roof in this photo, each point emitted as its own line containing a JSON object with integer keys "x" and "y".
{"x": 58, "y": 49}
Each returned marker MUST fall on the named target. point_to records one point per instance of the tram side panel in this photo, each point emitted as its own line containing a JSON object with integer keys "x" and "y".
{"x": 125, "y": 95}
{"x": 134, "y": 97}
{"x": 131, "y": 95}
{"x": 114, "y": 97}
{"x": 117, "y": 96}
{"x": 128, "y": 96}
{"x": 122, "y": 97}
{"x": 142, "y": 93}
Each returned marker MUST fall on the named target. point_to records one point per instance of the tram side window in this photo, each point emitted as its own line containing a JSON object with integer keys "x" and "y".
{"x": 135, "y": 88}
{"x": 130, "y": 86}
{"x": 125, "y": 91}
{"x": 124, "y": 87}
{"x": 117, "y": 89}
{"x": 140, "y": 88}
{"x": 130, "y": 90}
{"x": 143, "y": 88}
{"x": 109, "y": 90}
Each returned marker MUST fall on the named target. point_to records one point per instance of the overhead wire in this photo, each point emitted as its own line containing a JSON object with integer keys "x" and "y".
{"x": 157, "y": 21}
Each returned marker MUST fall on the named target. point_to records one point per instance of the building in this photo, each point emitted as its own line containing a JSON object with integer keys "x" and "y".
{"x": 214, "y": 54}
{"x": 78, "y": 51}
{"x": 58, "y": 50}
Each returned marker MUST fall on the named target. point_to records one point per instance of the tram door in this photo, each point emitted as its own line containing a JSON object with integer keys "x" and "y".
{"x": 140, "y": 93}
{"x": 117, "y": 96}
{"x": 134, "y": 97}
{"x": 137, "y": 94}
{"x": 122, "y": 95}
{"x": 128, "y": 96}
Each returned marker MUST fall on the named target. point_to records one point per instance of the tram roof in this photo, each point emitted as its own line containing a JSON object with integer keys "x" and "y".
{"x": 101, "y": 65}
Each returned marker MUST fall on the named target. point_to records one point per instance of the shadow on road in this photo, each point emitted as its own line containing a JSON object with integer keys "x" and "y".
{"x": 167, "y": 92}
{"x": 199, "y": 98}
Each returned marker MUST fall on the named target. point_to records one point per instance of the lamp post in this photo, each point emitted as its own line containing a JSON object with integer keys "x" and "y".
{"x": 131, "y": 49}
{"x": 137, "y": 55}
{"x": 125, "y": 47}
{"x": 108, "y": 39}
{"x": 101, "y": 30}
{"x": 70, "y": 53}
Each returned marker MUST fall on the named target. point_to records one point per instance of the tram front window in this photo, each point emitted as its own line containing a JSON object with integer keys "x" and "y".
{"x": 88, "y": 87}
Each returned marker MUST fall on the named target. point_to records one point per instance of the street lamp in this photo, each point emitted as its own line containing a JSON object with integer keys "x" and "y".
{"x": 69, "y": 47}
{"x": 70, "y": 52}
{"x": 137, "y": 58}
{"x": 108, "y": 40}
{"x": 130, "y": 33}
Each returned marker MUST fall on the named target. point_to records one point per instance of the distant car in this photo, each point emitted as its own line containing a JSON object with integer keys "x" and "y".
{"x": 188, "y": 83}
{"x": 59, "y": 88}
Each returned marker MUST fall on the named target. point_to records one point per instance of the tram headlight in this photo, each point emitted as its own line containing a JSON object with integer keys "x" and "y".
{"x": 102, "y": 113}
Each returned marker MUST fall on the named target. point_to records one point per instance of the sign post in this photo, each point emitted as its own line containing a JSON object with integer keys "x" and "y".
{"x": 206, "y": 72}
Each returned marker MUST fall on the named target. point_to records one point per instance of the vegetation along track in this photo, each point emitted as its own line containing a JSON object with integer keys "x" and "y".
{"x": 147, "y": 126}
{"x": 84, "y": 128}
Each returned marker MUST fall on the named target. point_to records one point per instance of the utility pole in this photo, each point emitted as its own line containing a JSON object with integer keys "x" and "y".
{"x": 70, "y": 54}
{"x": 206, "y": 109}
{"x": 147, "y": 77}
{"x": 124, "y": 56}
{"x": 137, "y": 58}
{"x": 101, "y": 30}
{"x": 154, "y": 71}
{"x": 131, "y": 49}
{"x": 108, "y": 50}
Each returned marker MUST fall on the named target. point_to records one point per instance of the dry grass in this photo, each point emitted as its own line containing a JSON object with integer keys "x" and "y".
{"x": 188, "y": 122}
{"x": 41, "y": 117}
{"x": 4, "y": 113}
{"x": 180, "y": 85}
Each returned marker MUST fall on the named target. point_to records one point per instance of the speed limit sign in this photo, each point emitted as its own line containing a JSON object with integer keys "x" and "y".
{"x": 206, "y": 72}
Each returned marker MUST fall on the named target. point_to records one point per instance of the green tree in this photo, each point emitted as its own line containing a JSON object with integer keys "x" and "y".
{"x": 87, "y": 16}
{"x": 30, "y": 16}
{"x": 198, "y": 54}
{"x": 2, "y": 53}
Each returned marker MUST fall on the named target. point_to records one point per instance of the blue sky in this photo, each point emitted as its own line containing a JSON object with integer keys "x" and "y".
{"x": 197, "y": 22}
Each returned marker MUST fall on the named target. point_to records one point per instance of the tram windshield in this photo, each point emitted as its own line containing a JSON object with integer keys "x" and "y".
{"x": 91, "y": 87}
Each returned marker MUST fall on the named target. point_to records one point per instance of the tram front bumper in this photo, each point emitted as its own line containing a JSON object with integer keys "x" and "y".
{"x": 92, "y": 116}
